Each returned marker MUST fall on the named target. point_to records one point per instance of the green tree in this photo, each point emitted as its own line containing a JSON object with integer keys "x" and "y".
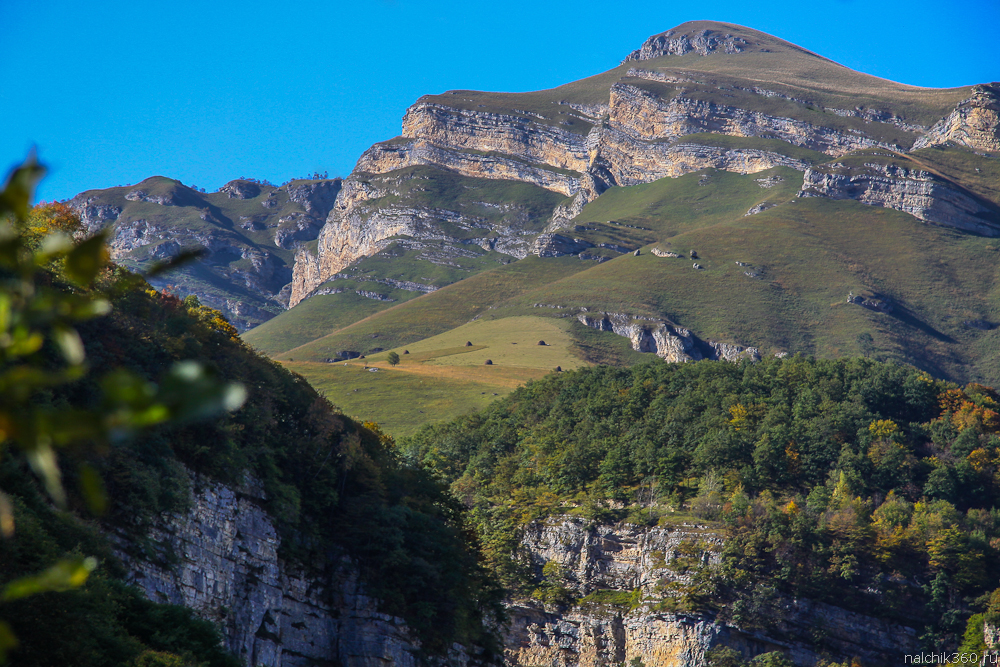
{"x": 866, "y": 343}
{"x": 393, "y": 358}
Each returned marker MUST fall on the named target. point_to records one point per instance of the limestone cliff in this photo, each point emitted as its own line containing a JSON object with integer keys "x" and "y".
{"x": 922, "y": 194}
{"x": 669, "y": 342}
{"x": 651, "y": 563}
{"x": 975, "y": 122}
{"x": 247, "y": 229}
{"x": 220, "y": 558}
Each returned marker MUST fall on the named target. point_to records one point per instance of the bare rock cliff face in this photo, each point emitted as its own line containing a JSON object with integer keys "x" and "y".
{"x": 975, "y": 122}
{"x": 679, "y": 43}
{"x": 920, "y": 193}
{"x": 644, "y": 562}
{"x": 221, "y": 560}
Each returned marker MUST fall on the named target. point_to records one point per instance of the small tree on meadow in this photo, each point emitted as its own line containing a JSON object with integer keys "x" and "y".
{"x": 393, "y": 358}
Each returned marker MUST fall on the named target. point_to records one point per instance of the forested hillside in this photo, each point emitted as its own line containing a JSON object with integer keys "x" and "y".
{"x": 866, "y": 485}
{"x": 327, "y": 480}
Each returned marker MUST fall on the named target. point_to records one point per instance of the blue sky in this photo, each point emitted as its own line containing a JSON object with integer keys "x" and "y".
{"x": 113, "y": 92}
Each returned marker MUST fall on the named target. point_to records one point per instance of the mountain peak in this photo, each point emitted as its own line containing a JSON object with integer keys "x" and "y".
{"x": 705, "y": 38}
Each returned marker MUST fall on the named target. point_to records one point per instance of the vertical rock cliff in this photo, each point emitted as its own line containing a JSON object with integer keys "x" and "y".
{"x": 220, "y": 558}
{"x": 646, "y": 567}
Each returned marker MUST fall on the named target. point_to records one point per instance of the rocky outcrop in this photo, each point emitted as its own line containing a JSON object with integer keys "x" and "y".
{"x": 647, "y": 335}
{"x": 678, "y": 43}
{"x": 733, "y": 353}
{"x": 647, "y": 114}
{"x": 558, "y": 245}
{"x": 94, "y": 215}
{"x": 975, "y": 122}
{"x": 220, "y": 559}
{"x": 670, "y": 343}
{"x": 920, "y": 193}
{"x": 390, "y": 156}
{"x": 249, "y": 271}
{"x": 240, "y": 189}
{"x": 520, "y": 135}
{"x": 316, "y": 197}
{"x": 648, "y": 565}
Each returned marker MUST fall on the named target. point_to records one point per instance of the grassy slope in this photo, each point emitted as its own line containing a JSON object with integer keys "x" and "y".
{"x": 439, "y": 311}
{"x": 810, "y": 253}
{"x": 441, "y": 377}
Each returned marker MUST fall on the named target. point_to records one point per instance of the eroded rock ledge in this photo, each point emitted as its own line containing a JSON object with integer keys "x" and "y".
{"x": 663, "y": 339}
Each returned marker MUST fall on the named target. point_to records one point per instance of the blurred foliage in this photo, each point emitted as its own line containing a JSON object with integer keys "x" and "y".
{"x": 866, "y": 485}
{"x": 46, "y": 293}
{"x": 104, "y": 435}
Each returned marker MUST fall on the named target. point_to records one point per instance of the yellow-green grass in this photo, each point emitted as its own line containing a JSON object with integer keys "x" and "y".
{"x": 442, "y": 377}
{"x": 511, "y": 341}
{"x": 401, "y": 402}
{"x": 978, "y": 173}
{"x": 439, "y": 311}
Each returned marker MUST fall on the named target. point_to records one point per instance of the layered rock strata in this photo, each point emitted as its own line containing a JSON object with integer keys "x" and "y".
{"x": 975, "y": 122}
{"x": 653, "y": 125}
{"x": 920, "y": 193}
{"x": 648, "y": 563}
{"x": 220, "y": 559}
{"x": 670, "y": 343}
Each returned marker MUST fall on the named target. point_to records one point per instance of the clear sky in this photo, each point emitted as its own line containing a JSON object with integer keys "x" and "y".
{"x": 112, "y": 92}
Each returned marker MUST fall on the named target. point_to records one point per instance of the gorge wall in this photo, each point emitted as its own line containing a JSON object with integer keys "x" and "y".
{"x": 220, "y": 558}
{"x": 653, "y": 564}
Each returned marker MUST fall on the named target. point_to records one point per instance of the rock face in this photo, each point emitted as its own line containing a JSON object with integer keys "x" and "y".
{"x": 647, "y": 335}
{"x": 975, "y": 122}
{"x": 920, "y": 193}
{"x": 666, "y": 341}
{"x": 647, "y": 562}
{"x": 557, "y": 245}
{"x": 221, "y": 560}
{"x": 678, "y": 42}
{"x": 249, "y": 249}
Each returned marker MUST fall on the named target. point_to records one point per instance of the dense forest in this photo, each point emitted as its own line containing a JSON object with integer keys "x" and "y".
{"x": 868, "y": 485}
{"x": 328, "y": 479}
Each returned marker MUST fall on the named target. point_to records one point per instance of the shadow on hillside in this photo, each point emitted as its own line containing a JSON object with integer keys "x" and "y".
{"x": 907, "y": 317}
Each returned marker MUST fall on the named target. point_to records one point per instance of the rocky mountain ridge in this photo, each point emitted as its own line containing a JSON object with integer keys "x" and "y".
{"x": 248, "y": 231}
{"x": 220, "y": 558}
{"x": 663, "y": 119}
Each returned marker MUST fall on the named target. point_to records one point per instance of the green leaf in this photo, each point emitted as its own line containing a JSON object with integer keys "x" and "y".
{"x": 193, "y": 392}
{"x": 53, "y": 245}
{"x": 20, "y": 187}
{"x": 85, "y": 260}
{"x": 65, "y": 575}
{"x": 42, "y": 459}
